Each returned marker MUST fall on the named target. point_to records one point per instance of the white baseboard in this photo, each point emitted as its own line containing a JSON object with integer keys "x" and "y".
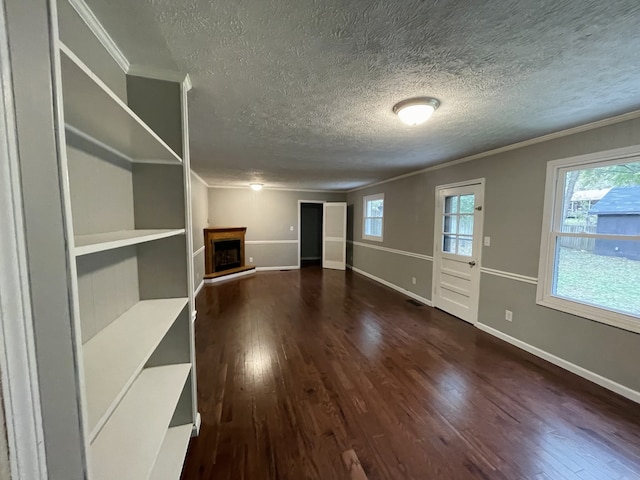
{"x": 196, "y": 426}
{"x": 195, "y": 294}
{"x": 231, "y": 276}
{"x": 572, "y": 367}
{"x": 267, "y": 269}
{"x": 415, "y": 296}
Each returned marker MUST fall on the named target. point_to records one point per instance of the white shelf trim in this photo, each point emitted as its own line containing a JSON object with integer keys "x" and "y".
{"x": 128, "y": 134}
{"x": 198, "y": 251}
{"x": 170, "y": 460}
{"x": 99, "y": 242}
{"x": 128, "y": 446}
{"x": 116, "y": 355}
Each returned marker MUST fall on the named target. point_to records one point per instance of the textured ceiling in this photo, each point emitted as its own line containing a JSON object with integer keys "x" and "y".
{"x": 299, "y": 93}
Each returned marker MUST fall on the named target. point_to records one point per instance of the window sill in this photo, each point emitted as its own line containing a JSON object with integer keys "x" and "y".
{"x": 372, "y": 238}
{"x": 600, "y": 315}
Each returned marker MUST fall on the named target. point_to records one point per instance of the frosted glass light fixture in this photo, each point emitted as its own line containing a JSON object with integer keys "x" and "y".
{"x": 256, "y": 186}
{"x": 415, "y": 111}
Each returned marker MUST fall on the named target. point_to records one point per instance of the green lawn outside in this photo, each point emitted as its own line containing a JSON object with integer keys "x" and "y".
{"x": 610, "y": 282}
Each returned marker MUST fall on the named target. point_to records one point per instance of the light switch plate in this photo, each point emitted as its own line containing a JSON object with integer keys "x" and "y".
{"x": 487, "y": 241}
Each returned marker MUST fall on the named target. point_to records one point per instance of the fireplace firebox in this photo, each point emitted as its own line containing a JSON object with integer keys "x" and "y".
{"x": 226, "y": 254}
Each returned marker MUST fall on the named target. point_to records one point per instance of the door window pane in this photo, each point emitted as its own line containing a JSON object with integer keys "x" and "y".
{"x": 465, "y": 246}
{"x": 450, "y": 224}
{"x": 451, "y": 204}
{"x": 467, "y": 203}
{"x": 449, "y": 244}
{"x": 466, "y": 224}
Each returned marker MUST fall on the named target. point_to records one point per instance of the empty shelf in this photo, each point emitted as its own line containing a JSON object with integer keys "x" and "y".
{"x": 116, "y": 355}
{"x": 129, "y": 444}
{"x": 99, "y": 115}
{"x": 99, "y": 242}
{"x": 169, "y": 463}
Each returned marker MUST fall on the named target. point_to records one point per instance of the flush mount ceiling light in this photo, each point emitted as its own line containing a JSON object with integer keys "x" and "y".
{"x": 256, "y": 186}
{"x": 415, "y": 111}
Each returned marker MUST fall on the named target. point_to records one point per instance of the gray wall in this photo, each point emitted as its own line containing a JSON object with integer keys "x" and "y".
{"x": 311, "y": 231}
{"x": 158, "y": 103}
{"x": 76, "y": 35}
{"x": 514, "y": 197}
{"x": 268, "y": 216}
{"x": 200, "y": 221}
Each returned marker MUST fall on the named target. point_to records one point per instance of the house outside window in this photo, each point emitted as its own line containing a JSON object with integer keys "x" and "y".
{"x": 373, "y": 217}
{"x": 590, "y": 248}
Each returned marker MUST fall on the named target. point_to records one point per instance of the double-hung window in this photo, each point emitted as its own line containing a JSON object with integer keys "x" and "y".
{"x": 590, "y": 249}
{"x": 373, "y": 217}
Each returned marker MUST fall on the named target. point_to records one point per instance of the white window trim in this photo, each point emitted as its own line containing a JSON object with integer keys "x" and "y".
{"x": 368, "y": 198}
{"x": 553, "y": 196}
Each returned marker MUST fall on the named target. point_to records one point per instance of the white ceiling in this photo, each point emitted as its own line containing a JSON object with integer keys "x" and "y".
{"x": 299, "y": 93}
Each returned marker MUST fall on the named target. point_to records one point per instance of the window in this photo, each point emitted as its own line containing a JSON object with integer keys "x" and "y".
{"x": 590, "y": 249}
{"x": 457, "y": 224}
{"x": 373, "y": 217}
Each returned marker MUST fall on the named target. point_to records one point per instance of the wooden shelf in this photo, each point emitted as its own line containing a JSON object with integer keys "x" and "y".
{"x": 116, "y": 355}
{"x": 169, "y": 463}
{"x": 93, "y": 111}
{"x": 99, "y": 242}
{"x": 128, "y": 445}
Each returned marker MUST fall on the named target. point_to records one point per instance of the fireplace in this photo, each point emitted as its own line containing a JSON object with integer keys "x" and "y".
{"x": 226, "y": 254}
{"x": 224, "y": 251}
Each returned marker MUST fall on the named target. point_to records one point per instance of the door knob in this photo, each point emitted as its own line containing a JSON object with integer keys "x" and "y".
{"x": 472, "y": 263}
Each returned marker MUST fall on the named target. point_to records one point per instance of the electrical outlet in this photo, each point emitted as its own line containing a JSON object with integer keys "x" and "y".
{"x": 508, "y": 315}
{"x": 291, "y": 228}
{"x": 487, "y": 241}
{"x": 413, "y": 280}
{"x": 250, "y": 259}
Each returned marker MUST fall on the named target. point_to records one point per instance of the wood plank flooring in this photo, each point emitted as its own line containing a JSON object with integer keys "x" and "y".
{"x": 295, "y": 368}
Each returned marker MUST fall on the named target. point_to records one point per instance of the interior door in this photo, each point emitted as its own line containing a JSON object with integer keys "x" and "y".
{"x": 457, "y": 250}
{"x": 334, "y": 235}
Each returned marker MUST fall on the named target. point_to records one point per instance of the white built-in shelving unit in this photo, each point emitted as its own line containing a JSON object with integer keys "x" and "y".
{"x": 129, "y": 242}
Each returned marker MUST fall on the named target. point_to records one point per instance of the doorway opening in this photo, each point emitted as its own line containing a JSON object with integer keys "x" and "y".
{"x": 311, "y": 217}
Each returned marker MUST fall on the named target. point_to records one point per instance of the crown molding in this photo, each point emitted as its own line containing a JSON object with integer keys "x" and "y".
{"x": 526, "y": 143}
{"x": 101, "y": 34}
{"x": 278, "y": 189}
{"x": 138, "y": 70}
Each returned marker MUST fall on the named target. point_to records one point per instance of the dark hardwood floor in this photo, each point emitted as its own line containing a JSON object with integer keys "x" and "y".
{"x": 295, "y": 368}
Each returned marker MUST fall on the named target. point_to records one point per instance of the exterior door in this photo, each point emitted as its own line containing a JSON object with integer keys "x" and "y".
{"x": 457, "y": 249}
{"x": 334, "y": 235}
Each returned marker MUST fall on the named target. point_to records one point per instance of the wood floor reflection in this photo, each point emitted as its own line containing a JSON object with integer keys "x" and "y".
{"x": 295, "y": 368}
